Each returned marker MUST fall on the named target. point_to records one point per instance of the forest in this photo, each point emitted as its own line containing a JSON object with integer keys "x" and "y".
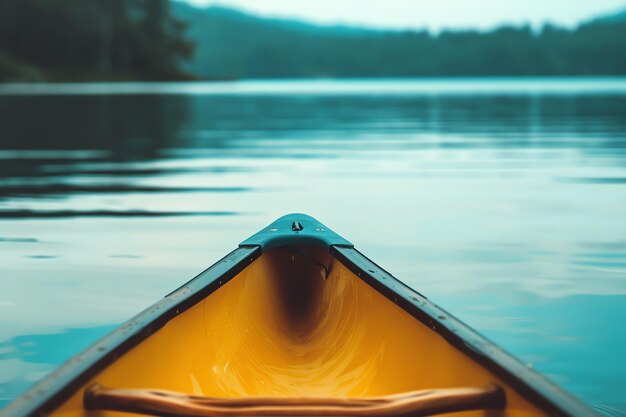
{"x": 238, "y": 45}
{"x": 84, "y": 40}
{"x": 147, "y": 40}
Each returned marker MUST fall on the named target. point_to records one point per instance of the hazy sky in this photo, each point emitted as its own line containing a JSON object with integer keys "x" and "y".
{"x": 428, "y": 13}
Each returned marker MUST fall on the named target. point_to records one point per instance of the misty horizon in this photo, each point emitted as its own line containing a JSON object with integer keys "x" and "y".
{"x": 434, "y": 18}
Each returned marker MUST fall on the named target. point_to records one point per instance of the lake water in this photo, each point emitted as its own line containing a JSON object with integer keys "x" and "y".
{"x": 504, "y": 201}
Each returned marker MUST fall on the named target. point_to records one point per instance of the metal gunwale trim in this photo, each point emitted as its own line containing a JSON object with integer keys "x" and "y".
{"x": 62, "y": 383}
{"x": 525, "y": 381}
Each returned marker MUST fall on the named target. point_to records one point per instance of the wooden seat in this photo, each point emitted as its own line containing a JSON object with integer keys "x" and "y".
{"x": 416, "y": 403}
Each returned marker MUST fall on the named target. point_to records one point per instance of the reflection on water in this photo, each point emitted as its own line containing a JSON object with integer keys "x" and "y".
{"x": 505, "y": 204}
{"x": 27, "y": 358}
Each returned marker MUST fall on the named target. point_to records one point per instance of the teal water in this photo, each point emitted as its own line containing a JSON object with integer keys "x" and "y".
{"x": 504, "y": 201}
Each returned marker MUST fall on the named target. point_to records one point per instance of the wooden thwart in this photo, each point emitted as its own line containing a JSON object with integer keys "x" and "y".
{"x": 413, "y": 404}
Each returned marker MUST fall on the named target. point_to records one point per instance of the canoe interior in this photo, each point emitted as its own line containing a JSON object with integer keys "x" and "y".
{"x": 295, "y": 322}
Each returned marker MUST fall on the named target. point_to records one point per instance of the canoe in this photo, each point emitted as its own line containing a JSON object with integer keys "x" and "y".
{"x": 295, "y": 322}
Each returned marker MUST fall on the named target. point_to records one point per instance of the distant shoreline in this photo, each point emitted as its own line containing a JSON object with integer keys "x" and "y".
{"x": 610, "y": 85}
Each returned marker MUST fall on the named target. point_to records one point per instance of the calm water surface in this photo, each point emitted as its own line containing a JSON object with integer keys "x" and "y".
{"x": 503, "y": 201}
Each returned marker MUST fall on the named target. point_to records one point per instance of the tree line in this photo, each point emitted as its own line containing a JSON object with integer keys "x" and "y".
{"x": 87, "y": 39}
{"x": 162, "y": 40}
{"x": 242, "y": 46}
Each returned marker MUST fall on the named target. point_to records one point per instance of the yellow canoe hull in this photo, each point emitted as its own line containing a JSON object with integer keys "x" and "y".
{"x": 297, "y": 321}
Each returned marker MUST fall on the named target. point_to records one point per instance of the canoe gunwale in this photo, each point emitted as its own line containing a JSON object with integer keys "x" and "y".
{"x": 45, "y": 396}
{"x": 61, "y": 384}
{"x": 527, "y": 382}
